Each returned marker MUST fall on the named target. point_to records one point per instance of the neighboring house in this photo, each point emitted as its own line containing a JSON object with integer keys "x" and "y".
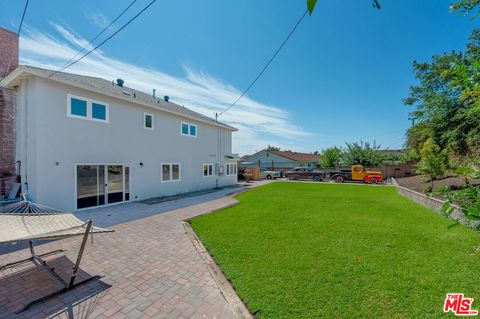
{"x": 281, "y": 160}
{"x": 83, "y": 141}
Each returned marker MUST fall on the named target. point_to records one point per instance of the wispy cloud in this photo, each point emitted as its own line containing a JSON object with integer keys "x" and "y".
{"x": 98, "y": 18}
{"x": 260, "y": 124}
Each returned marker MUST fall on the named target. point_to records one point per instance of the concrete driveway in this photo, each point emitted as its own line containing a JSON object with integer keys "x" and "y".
{"x": 149, "y": 267}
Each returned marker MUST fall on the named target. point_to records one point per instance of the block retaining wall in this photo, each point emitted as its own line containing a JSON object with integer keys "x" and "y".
{"x": 435, "y": 204}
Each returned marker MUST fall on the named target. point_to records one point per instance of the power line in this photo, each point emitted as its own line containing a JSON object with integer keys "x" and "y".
{"x": 23, "y": 16}
{"x": 18, "y": 34}
{"x": 267, "y": 65}
{"x": 95, "y": 38}
{"x": 107, "y": 39}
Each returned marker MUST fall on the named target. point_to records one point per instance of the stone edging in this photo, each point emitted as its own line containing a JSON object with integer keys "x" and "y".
{"x": 237, "y": 306}
{"x": 435, "y": 204}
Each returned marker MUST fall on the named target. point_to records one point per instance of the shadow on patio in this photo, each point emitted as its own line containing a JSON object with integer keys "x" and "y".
{"x": 22, "y": 284}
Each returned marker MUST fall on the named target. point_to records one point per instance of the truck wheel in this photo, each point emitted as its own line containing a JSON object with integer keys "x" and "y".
{"x": 269, "y": 177}
{"x": 317, "y": 178}
{"x": 373, "y": 181}
{"x": 339, "y": 179}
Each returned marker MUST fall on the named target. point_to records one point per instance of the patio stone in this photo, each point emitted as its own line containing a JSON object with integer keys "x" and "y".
{"x": 149, "y": 265}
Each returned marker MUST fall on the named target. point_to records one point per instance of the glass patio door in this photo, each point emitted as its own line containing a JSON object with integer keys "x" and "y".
{"x": 99, "y": 185}
{"x": 90, "y": 186}
{"x": 115, "y": 183}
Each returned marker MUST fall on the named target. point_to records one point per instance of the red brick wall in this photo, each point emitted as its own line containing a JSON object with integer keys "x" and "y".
{"x": 8, "y": 51}
{"x": 8, "y": 63}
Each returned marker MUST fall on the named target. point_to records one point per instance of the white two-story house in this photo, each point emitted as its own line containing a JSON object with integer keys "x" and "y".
{"x": 85, "y": 142}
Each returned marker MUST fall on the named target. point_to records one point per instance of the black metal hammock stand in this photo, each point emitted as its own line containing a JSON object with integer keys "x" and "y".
{"x": 27, "y": 221}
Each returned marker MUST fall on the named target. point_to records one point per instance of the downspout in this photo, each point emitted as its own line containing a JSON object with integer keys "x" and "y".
{"x": 218, "y": 152}
{"x": 25, "y": 136}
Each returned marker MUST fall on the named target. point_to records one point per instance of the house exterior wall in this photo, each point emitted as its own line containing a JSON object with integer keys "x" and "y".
{"x": 51, "y": 144}
{"x": 8, "y": 63}
{"x": 273, "y": 161}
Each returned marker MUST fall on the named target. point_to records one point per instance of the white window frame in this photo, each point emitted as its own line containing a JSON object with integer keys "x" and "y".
{"x": 189, "y": 126}
{"x": 125, "y": 189}
{"x": 89, "y": 102}
{"x": 231, "y": 169}
{"x": 208, "y": 169}
{"x": 170, "y": 180}
{"x": 145, "y": 114}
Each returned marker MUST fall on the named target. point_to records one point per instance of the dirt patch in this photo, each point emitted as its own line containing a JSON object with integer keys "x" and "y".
{"x": 418, "y": 182}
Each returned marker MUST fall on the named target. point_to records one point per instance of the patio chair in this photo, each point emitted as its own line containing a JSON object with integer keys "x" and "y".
{"x": 27, "y": 221}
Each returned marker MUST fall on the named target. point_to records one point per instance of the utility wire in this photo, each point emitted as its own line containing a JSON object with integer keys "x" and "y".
{"x": 266, "y": 65}
{"x": 95, "y": 38}
{"x": 18, "y": 34}
{"x": 23, "y": 16}
{"x": 107, "y": 39}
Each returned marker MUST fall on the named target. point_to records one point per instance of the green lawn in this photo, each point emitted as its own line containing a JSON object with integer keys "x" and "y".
{"x": 290, "y": 251}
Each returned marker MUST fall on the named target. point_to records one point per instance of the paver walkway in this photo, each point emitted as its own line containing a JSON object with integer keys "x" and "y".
{"x": 149, "y": 266}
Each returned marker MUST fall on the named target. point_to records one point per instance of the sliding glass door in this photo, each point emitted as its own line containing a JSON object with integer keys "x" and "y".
{"x": 99, "y": 185}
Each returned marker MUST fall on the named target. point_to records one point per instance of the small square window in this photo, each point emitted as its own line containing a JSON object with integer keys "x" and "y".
{"x": 99, "y": 111}
{"x": 78, "y": 107}
{"x": 184, "y": 128}
{"x": 148, "y": 121}
{"x": 207, "y": 170}
{"x": 193, "y": 130}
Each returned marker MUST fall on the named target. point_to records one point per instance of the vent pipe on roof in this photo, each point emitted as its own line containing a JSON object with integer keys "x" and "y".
{"x": 120, "y": 82}
{"x": 153, "y": 94}
{"x": 166, "y": 98}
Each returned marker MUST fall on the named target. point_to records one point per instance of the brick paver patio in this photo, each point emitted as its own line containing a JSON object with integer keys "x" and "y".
{"x": 150, "y": 269}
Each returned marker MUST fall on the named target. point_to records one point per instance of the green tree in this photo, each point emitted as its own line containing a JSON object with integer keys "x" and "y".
{"x": 362, "y": 153}
{"x": 312, "y": 3}
{"x": 331, "y": 157}
{"x": 273, "y": 148}
{"x": 466, "y": 6}
{"x": 433, "y": 162}
{"x": 447, "y": 101}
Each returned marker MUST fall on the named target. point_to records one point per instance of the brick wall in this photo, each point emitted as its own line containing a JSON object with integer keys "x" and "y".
{"x": 8, "y": 63}
{"x": 8, "y": 51}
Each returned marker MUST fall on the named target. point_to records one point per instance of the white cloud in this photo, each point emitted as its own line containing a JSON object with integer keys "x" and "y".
{"x": 98, "y": 19}
{"x": 260, "y": 124}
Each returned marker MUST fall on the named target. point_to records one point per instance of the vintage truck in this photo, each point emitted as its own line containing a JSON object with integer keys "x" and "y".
{"x": 305, "y": 173}
{"x": 356, "y": 173}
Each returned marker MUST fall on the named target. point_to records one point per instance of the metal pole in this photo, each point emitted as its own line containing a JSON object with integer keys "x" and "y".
{"x": 80, "y": 254}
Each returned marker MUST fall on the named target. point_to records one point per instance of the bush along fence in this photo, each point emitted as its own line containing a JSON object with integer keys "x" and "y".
{"x": 437, "y": 205}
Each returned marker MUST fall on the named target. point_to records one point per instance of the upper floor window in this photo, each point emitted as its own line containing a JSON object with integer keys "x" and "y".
{"x": 231, "y": 168}
{"x": 87, "y": 109}
{"x": 147, "y": 121}
{"x": 188, "y": 129}
{"x": 207, "y": 170}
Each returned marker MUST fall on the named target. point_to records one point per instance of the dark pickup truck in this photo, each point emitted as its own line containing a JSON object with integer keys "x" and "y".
{"x": 306, "y": 173}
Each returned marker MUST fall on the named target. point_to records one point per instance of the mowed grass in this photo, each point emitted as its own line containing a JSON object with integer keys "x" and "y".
{"x": 298, "y": 250}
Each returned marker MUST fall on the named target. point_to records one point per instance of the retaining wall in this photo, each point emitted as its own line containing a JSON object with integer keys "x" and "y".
{"x": 435, "y": 204}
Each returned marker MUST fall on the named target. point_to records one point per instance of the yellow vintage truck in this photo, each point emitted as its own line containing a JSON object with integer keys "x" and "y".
{"x": 357, "y": 173}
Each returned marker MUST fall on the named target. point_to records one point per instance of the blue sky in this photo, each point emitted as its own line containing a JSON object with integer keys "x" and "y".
{"x": 341, "y": 77}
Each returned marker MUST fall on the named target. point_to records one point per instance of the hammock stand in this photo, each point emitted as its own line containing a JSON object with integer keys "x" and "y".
{"x": 24, "y": 220}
